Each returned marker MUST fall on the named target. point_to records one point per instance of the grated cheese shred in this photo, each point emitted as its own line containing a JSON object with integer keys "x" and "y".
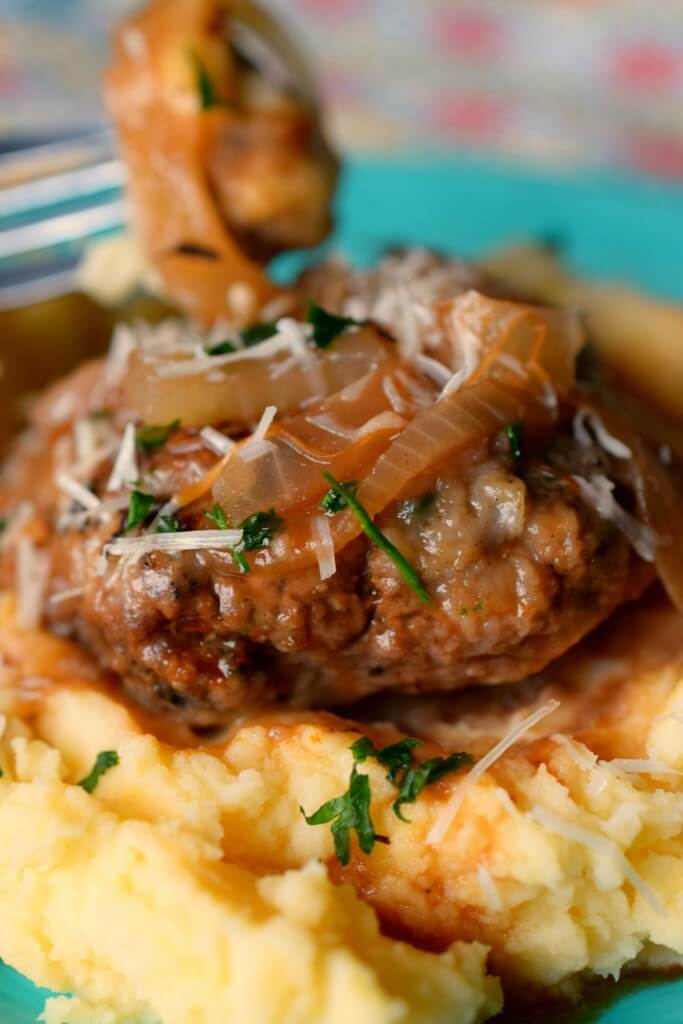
{"x": 174, "y": 543}
{"x": 216, "y": 442}
{"x": 77, "y": 491}
{"x": 599, "y": 843}
{"x": 489, "y": 888}
{"x": 598, "y": 493}
{"x": 125, "y": 469}
{"x": 324, "y": 546}
{"x": 446, "y": 818}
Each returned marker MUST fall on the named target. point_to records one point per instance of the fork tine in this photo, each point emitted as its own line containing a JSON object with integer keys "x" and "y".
{"x": 63, "y": 229}
{"x": 57, "y": 188}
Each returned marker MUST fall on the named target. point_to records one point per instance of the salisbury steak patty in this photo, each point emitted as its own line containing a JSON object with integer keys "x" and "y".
{"x": 517, "y": 566}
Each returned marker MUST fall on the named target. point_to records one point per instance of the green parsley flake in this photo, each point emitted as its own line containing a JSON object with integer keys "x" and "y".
{"x": 327, "y": 326}
{"x": 168, "y": 524}
{"x": 423, "y": 774}
{"x": 409, "y": 777}
{"x": 208, "y": 97}
{"x": 478, "y": 606}
{"x": 221, "y": 348}
{"x": 255, "y": 333}
{"x": 350, "y": 811}
{"x": 105, "y": 760}
{"x": 138, "y": 510}
{"x": 3, "y": 524}
{"x": 395, "y": 757}
{"x": 515, "y": 434}
{"x": 374, "y": 534}
{"x": 218, "y": 517}
{"x": 155, "y": 435}
{"x": 259, "y": 529}
{"x": 334, "y": 502}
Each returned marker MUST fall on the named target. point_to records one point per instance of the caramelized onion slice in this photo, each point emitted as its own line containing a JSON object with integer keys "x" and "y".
{"x": 457, "y": 424}
{"x": 527, "y": 350}
{"x": 238, "y": 390}
{"x": 343, "y": 435}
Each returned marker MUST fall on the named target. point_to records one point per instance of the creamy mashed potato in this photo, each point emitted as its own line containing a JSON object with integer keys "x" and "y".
{"x": 188, "y": 887}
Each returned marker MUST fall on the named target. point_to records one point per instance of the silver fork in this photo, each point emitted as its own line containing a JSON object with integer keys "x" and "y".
{"x": 55, "y": 198}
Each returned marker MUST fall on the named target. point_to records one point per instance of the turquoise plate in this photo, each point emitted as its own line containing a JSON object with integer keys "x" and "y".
{"x": 620, "y": 226}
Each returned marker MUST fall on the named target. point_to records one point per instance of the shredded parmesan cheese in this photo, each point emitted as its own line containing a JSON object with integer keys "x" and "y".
{"x": 489, "y": 889}
{"x": 32, "y": 572}
{"x": 324, "y": 546}
{"x": 65, "y": 595}
{"x": 641, "y": 766}
{"x": 189, "y": 540}
{"x": 216, "y": 442}
{"x": 579, "y": 754}
{"x": 599, "y": 843}
{"x": 396, "y": 400}
{"x": 597, "y": 492}
{"x": 433, "y": 369}
{"x": 123, "y": 343}
{"x": 445, "y": 820}
{"x": 256, "y": 446}
{"x": 125, "y": 470}
{"x": 77, "y": 491}
{"x": 584, "y": 419}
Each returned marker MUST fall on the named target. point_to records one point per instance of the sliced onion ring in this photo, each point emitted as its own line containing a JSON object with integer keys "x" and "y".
{"x": 544, "y": 342}
{"x": 238, "y": 392}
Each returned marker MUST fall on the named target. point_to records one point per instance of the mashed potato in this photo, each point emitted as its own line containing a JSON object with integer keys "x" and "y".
{"x": 188, "y": 887}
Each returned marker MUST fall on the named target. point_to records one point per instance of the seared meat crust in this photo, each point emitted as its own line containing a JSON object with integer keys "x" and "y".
{"x": 518, "y": 566}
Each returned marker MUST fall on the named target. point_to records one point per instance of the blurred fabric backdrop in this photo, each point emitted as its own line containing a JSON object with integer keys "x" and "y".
{"x": 565, "y": 83}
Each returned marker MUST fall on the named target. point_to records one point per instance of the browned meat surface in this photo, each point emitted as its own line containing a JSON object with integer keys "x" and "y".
{"x": 517, "y": 565}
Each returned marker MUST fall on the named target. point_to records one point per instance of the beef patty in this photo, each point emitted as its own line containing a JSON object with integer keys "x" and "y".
{"x": 518, "y": 567}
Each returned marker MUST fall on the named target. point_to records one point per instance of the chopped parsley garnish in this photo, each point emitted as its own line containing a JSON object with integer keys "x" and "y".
{"x": 334, "y": 502}
{"x": 208, "y": 97}
{"x": 478, "y": 606}
{"x": 395, "y": 757}
{"x": 515, "y": 434}
{"x": 255, "y": 333}
{"x": 168, "y": 524}
{"x": 327, "y": 326}
{"x": 3, "y": 524}
{"x": 105, "y": 760}
{"x": 221, "y": 348}
{"x": 374, "y": 534}
{"x": 1, "y": 773}
{"x": 418, "y": 776}
{"x": 240, "y": 561}
{"x": 463, "y": 611}
{"x": 155, "y": 435}
{"x": 218, "y": 517}
{"x": 259, "y": 529}
{"x": 409, "y": 777}
{"x": 350, "y": 811}
{"x": 249, "y": 336}
{"x": 138, "y": 510}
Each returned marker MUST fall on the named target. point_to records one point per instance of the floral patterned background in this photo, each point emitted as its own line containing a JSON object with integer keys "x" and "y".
{"x": 559, "y": 82}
